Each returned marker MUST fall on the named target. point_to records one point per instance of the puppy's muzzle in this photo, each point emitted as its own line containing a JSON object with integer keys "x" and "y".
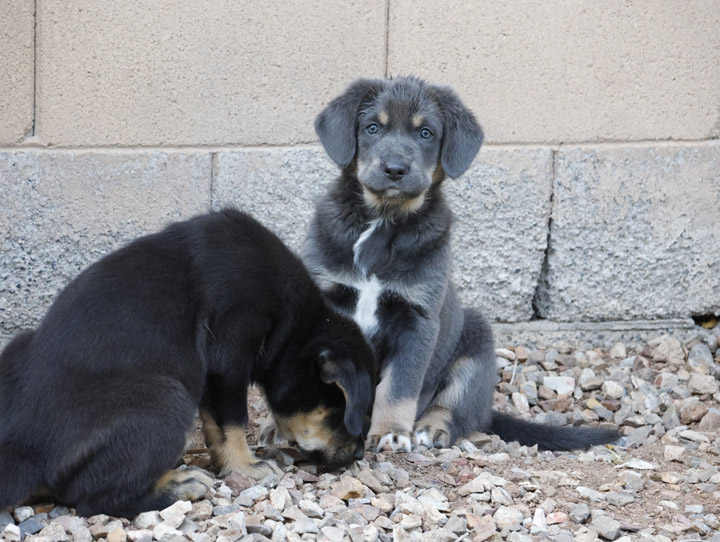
{"x": 395, "y": 169}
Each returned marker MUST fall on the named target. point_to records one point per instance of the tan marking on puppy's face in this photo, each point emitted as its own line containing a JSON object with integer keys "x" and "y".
{"x": 383, "y": 117}
{"x": 309, "y": 429}
{"x": 393, "y": 206}
{"x": 417, "y": 120}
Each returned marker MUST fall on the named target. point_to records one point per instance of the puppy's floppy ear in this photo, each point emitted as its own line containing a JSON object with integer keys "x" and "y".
{"x": 463, "y": 135}
{"x": 337, "y": 123}
{"x": 354, "y": 384}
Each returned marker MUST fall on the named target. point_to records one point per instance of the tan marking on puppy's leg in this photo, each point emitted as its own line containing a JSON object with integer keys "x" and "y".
{"x": 392, "y": 421}
{"x": 211, "y": 431}
{"x": 383, "y": 117}
{"x": 233, "y": 453}
{"x": 460, "y": 374}
{"x": 185, "y": 485}
{"x": 418, "y": 120}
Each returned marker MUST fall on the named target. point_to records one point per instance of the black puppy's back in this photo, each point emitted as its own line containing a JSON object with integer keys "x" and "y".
{"x": 96, "y": 402}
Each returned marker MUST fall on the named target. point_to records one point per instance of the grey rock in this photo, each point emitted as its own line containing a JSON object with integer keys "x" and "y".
{"x": 32, "y": 525}
{"x": 5, "y": 519}
{"x": 619, "y": 499}
{"x": 23, "y": 512}
{"x": 579, "y": 513}
{"x": 606, "y": 527}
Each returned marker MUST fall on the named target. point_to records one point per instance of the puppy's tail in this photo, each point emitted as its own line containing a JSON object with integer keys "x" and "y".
{"x": 549, "y": 437}
{"x": 19, "y": 477}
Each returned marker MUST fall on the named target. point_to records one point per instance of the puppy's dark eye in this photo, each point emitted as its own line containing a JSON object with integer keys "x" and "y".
{"x": 372, "y": 128}
{"x": 426, "y": 133}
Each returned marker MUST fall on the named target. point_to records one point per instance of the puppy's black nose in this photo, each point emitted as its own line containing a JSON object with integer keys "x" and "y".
{"x": 359, "y": 452}
{"x": 395, "y": 170}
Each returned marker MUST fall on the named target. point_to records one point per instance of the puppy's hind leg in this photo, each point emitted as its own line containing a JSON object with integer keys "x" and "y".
{"x": 463, "y": 402}
{"x": 20, "y": 476}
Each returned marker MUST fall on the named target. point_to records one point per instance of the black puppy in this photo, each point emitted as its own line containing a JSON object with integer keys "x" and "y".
{"x": 96, "y": 402}
{"x": 379, "y": 246}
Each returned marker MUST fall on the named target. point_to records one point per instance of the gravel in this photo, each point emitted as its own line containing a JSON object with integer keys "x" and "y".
{"x": 660, "y": 482}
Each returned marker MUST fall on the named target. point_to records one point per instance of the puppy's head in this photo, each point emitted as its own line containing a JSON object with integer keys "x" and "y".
{"x": 321, "y": 405}
{"x": 400, "y": 136}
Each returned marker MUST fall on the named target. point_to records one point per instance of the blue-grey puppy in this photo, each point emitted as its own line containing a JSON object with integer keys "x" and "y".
{"x": 379, "y": 247}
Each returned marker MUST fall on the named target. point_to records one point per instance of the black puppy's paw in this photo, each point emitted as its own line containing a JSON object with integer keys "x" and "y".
{"x": 187, "y": 484}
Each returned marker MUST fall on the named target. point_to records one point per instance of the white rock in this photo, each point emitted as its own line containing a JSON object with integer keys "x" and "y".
{"x": 539, "y": 523}
{"x": 613, "y": 390}
{"x": 147, "y": 520}
{"x": 174, "y": 514}
{"x": 311, "y": 509}
{"x": 701, "y": 384}
{"x": 520, "y": 402}
{"x": 563, "y": 385}
{"x": 23, "y": 512}
{"x": 164, "y": 530}
{"x": 618, "y": 351}
{"x": 507, "y": 517}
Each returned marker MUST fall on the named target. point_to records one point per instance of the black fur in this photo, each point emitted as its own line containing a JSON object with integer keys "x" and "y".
{"x": 95, "y": 403}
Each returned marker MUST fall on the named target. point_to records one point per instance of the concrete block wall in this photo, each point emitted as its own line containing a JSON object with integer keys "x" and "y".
{"x": 595, "y": 198}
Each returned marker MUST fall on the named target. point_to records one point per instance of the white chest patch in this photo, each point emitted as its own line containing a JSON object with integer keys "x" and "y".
{"x": 369, "y": 289}
{"x": 369, "y": 293}
{"x": 364, "y": 236}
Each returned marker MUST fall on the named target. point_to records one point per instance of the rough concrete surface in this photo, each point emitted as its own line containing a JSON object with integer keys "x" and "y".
{"x": 501, "y": 204}
{"x": 635, "y": 233}
{"x": 502, "y": 207}
{"x": 62, "y": 211}
{"x": 569, "y": 71}
{"x": 197, "y": 73}
{"x": 16, "y": 69}
{"x": 277, "y": 186}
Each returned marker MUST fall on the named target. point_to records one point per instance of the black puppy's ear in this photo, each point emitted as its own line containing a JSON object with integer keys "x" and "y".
{"x": 463, "y": 135}
{"x": 337, "y": 123}
{"x": 355, "y": 386}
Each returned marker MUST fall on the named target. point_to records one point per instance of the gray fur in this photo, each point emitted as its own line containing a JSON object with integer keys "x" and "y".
{"x": 385, "y": 222}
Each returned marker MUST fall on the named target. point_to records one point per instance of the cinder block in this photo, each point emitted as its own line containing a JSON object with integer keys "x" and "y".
{"x": 502, "y": 208}
{"x": 635, "y": 233}
{"x": 569, "y": 71}
{"x": 17, "y": 35}
{"x": 502, "y": 205}
{"x": 62, "y": 211}
{"x": 205, "y": 72}
{"x": 278, "y": 186}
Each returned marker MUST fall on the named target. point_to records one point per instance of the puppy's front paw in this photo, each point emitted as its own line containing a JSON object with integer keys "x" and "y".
{"x": 390, "y": 442}
{"x": 433, "y": 428}
{"x": 258, "y": 469}
{"x": 189, "y": 484}
{"x": 269, "y": 434}
{"x": 432, "y": 438}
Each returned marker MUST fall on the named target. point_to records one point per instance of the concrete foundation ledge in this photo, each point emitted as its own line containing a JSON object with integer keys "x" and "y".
{"x": 542, "y": 333}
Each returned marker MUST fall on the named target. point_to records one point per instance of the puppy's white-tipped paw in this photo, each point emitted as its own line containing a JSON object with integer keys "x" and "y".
{"x": 422, "y": 438}
{"x": 391, "y": 442}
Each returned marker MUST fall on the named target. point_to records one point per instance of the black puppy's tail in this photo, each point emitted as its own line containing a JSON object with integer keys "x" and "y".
{"x": 19, "y": 477}
{"x": 549, "y": 437}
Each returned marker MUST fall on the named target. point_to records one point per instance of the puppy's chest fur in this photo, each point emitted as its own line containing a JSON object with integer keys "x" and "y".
{"x": 373, "y": 288}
